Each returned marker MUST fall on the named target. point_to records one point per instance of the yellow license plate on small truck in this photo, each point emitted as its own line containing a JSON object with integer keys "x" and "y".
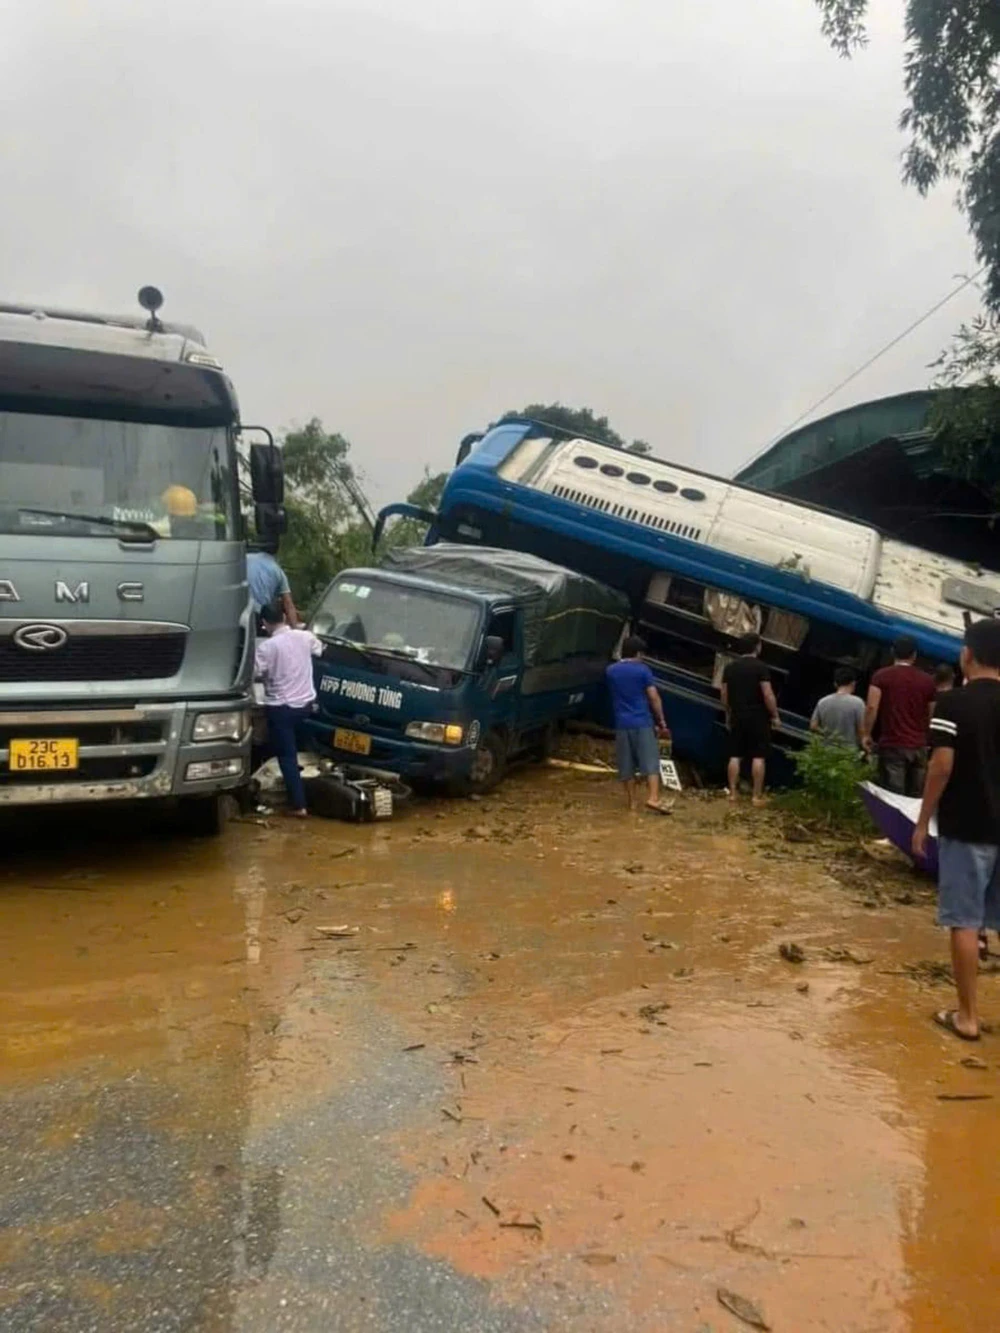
{"x": 354, "y": 742}
{"x": 43, "y": 756}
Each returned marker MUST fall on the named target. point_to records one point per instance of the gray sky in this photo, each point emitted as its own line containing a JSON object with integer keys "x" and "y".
{"x": 406, "y": 216}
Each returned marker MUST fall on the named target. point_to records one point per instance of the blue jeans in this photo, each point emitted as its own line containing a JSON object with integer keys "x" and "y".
{"x": 968, "y": 885}
{"x": 281, "y": 724}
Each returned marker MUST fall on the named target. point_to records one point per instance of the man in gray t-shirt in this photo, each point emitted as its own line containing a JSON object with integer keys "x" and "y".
{"x": 840, "y": 716}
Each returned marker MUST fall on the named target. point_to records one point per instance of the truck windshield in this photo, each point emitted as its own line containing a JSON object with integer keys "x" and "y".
{"x": 95, "y": 477}
{"x": 393, "y": 618}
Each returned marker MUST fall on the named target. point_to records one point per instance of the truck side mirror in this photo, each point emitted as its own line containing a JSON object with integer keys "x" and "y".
{"x": 494, "y": 649}
{"x": 267, "y": 475}
{"x": 270, "y": 521}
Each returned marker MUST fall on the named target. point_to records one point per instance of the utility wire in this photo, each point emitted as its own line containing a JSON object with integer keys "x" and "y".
{"x": 967, "y": 282}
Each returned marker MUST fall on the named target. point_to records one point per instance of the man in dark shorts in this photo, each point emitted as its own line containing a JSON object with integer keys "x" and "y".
{"x": 963, "y": 789}
{"x": 901, "y": 697}
{"x": 751, "y": 711}
{"x": 639, "y": 718}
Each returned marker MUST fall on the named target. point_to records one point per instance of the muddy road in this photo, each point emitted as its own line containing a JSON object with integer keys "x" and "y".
{"x": 552, "y": 1075}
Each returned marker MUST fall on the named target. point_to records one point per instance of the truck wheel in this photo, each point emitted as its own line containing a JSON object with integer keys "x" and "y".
{"x": 489, "y": 764}
{"x": 201, "y": 816}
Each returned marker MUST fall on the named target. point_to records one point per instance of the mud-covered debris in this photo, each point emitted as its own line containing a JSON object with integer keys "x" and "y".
{"x": 633, "y": 867}
{"x": 928, "y": 972}
{"x": 683, "y": 973}
{"x": 598, "y": 1260}
{"x": 965, "y": 1096}
{"x": 417, "y": 1046}
{"x": 337, "y": 932}
{"x": 792, "y": 952}
{"x": 516, "y": 1224}
{"x": 798, "y": 833}
{"x": 803, "y": 987}
{"x": 451, "y": 1115}
{"x": 843, "y": 953}
{"x": 650, "y": 1012}
{"x": 343, "y": 851}
{"x": 479, "y": 832}
{"x": 883, "y": 851}
{"x": 742, "y": 1308}
{"x": 491, "y": 1206}
{"x": 973, "y": 1062}
{"x": 294, "y": 915}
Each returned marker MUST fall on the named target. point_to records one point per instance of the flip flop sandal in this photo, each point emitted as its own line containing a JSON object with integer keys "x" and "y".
{"x": 945, "y": 1018}
{"x": 659, "y": 810}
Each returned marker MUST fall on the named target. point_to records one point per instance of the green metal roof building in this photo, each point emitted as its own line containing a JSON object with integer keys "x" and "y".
{"x": 831, "y": 439}
{"x": 879, "y": 462}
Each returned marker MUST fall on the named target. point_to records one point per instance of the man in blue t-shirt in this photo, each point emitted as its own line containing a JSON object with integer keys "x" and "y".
{"x": 638, "y": 721}
{"x": 269, "y": 583}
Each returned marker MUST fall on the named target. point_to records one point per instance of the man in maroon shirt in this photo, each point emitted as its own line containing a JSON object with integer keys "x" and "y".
{"x": 901, "y": 697}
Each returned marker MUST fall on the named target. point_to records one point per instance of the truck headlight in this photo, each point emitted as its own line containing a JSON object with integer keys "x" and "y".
{"x": 221, "y": 726}
{"x": 213, "y": 768}
{"x": 441, "y": 733}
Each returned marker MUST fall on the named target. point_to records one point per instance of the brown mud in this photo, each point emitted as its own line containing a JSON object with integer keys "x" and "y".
{"x": 634, "y": 1099}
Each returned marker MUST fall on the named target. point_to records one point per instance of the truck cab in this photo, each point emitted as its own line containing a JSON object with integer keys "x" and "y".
{"x": 452, "y": 661}
{"x": 126, "y": 640}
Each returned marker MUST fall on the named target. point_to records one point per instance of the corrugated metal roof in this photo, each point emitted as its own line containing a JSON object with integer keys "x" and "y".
{"x": 837, "y": 436}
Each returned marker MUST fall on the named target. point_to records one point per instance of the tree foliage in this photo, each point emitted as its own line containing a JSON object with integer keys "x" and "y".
{"x": 326, "y": 530}
{"x": 577, "y": 422}
{"x": 952, "y": 111}
{"x": 965, "y": 416}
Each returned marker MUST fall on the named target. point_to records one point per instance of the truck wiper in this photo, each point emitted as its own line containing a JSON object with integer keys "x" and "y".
{"x": 144, "y": 531}
{"x": 361, "y": 649}
{"x": 375, "y": 650}
{"x": 401, "y": 655}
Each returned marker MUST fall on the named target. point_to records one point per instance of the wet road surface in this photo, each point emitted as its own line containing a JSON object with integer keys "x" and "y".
{"x": 555, "y": 1075}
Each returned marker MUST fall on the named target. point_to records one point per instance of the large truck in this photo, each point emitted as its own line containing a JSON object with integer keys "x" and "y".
{"x": 126, "y": 635}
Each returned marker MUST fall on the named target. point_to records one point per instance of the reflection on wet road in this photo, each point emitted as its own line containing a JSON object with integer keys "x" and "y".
{"x": 554, "y": 1075}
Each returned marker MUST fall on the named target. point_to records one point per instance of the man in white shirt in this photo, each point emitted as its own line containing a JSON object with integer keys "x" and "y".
{"x": 284, "y": 666}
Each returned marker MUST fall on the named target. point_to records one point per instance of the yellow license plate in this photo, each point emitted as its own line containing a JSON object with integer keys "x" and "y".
{"x": 43, "y": 756}
{"x": 354, "y": 742}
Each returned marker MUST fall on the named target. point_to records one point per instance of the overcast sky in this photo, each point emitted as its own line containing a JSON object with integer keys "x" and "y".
{"x": 406, "y": 216}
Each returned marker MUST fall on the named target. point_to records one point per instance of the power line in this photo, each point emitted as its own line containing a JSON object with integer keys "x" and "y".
{"x": 966, "y": 282}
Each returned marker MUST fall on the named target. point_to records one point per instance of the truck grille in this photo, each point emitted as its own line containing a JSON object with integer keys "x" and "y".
{"x": 95, "y": 657}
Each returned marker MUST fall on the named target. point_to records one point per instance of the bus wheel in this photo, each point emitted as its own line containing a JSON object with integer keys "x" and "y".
{"x": 489, "y": 764}
{"x": 201, "y": 816}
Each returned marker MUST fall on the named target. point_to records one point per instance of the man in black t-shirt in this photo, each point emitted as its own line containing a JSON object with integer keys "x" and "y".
{"x": 963, "y": 787}
{"x": 751, "y": 709}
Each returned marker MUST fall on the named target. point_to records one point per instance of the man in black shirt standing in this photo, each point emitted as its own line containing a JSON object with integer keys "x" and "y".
{"x": 751, "y": 709}
{"x": 963, "y": 787}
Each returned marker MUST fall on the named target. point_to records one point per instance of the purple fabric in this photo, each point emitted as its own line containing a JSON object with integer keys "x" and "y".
{"x": 896, "y": 817}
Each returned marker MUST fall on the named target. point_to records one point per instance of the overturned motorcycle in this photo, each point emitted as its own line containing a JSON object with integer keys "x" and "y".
{"x": 349, "y": 792}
